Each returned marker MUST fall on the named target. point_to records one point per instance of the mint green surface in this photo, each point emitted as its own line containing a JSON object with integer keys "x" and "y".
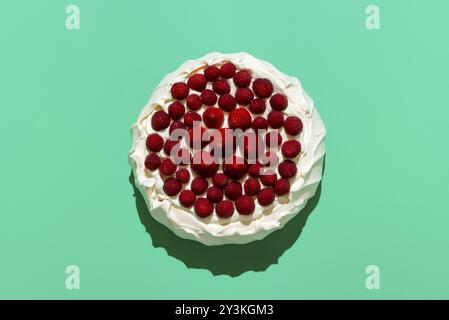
{"x": 68, "y": 99}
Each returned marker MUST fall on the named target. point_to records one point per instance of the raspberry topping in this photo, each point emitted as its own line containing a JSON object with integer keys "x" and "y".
{"x": 212, "y": 73}
{"x": 242, "y": 78}
{"x": 257, "y": 106}
{"x": 171, "y": 187}
{"x": 168, "y": 146}
{"x": 265, "y": 197}
{"x": 187, "y": 198}
{"x": 221, "y": 86}
{"x": 214, "y": 194}
{"x": 203, "y": 207}
{"x": 183, "y": 175}
{"x": 197, "y": 82}
{"x": 239, "y": 118}
{"x": 203, "y": 163}
{"x": 227, "y": 102}
{"x": 224, "y": 209}
{"x": 160, "y": 120}
{"x": 263, "y": 88}
{"x": 260, "y": 123}
{"x": 194, "y": 102}
{"x": 220, "y": 180}
{"x": 235, "y": 167}
{"x": 282, "y": 187}
{"x": 176, "y": 110}
{"x": 154, "y": 142}
{"x": 275, "y": 119}
{"x": 287, "y": 169}
{"x": 291, "y": 148}
{"x": 179, "y": 90}
{"x": 213, "y": 117}
{"x": 251, "y": 186}
{"x": 176, "y": 125}
{"x": 268, "y": 178}
{"x": 191, "y": 117}
{"x": 227, "y": 70}
{"x": 273, "y": 139}
{"x": 167, "y": 167}
{"x": 278, "y": 102}
{"x": 244, "y": 96}
{"x": 233, "y": 190}
{"x": 254, "y": 170}
{"x": 293, "y": 125}
{"x": 245, "y": 205}
{"x": 208, "y": 97}
{"x": 152, "y": 161}
{"x": 198, "y": 185}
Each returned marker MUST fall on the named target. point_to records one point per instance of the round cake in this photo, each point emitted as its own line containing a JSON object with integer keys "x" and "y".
{"x": 227, "y": 150}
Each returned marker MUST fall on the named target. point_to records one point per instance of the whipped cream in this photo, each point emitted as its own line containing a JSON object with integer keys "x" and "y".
{"x": 239, "y": 228}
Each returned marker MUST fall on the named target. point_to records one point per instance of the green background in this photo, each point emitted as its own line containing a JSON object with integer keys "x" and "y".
{"x": 68, "y": 99}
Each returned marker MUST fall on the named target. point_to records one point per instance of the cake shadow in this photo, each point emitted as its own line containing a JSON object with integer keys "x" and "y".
{"x": 230, "y": 259}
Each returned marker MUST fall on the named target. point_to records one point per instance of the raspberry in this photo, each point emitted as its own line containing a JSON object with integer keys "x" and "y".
{"x": 233, "y": 190}
{"x": 187, "y": 198}
{"x": 260, "y": 123}
{"x": 160, "y": 120}
{"x": 254, "y": 170}
{"x": 152, "y": 161}
{"x": 287, "y": 169}
{"x": 270, "y": 159}
{"x": 273, "y": 139}
{"x": 224, "y": 209}
{"x": 183, "y": 175}
{"x": 168, "y": 145}
{"x": 154, "y": 142}
{"x": 194, "y": 102}
{"x": 214, "y": 194}
{"x": 179, "y": 90}
{"x": 265, "y": 197}
{"x": 183, "y": 156}
{"x": 282, "y": 187}
{"x": 291, "y": 148}
{"x": 245, "y": 205}
{"x": 196, "y": 138}
{"x": 203, "y": 207}
{"x": 226, "y": 142}
{"x": 213, "y": 117}
{"x": 221, "y": 86}
{"x": 203, "y": 163}
{"x": 251, "y": 186}
{"x": 244, "y": 96}
{"x": 242, "y": 79}
{"x": 212, "y": 73}
{"x": 235, "y": 167}
{"x": 167, "y": 167}
{"x": 197, "y": 82}
{"x": 198, "y": 185}
{"x": 268, "y": 178}
{"x": 191, "y": 117}
{"x": 208, "y": 97}
{"x": 227, "y": 102}
{"x": 293, "y": 125}
{"x": 249, "y": 144}
{"x": 227, "y": 70}
{"x": 171, "y": 187}
{"x": 176, "y": 110}
{"x": 275, "y": 119}
{"x": 257, "y": 106}
{"x": 220, "y": 180}
{"x": 239, "y": 118}
{"x": 176, "y": 125}
{"x": 262, "y": 88}
{"x": 278, "y": 102}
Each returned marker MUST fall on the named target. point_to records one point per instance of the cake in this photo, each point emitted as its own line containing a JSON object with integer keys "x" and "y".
{"x": 227, "y": 150}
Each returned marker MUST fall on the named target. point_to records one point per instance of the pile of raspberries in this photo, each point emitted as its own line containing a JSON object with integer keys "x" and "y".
{"x": 237, "y": 183}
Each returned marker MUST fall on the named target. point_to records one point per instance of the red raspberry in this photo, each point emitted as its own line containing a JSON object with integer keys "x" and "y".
{"x": 176, "y": 125}
{"x": 152, "y": 161}
{"x": 204, "y": 164}
{"x": 287, "y": 169}
{"x": 257, "y": 106}
{"x": 208, "y": 97}
{"x": 167, "y": 167}
{"x": 203, "y": 207}
{"x": 225, "y": 140}
{"x": 235, "y": 167}
{"x": 212, "y": 73}
{"x": 249, "y": 145}
{"x": 293, "y": 125}
{"x": 198, "y": 185}
{"x": 242, "y": 79}
{"x": 191, "y": 117}
{"x": 196, "y": 139}
{"x": 254, "y": 170}
{"x": 187, "y": 198}
{"x": 183, "y": 156}
{"x": 233, "y": 190}
{"x": 227, "y": 70}
{"x": 291, "y": 148}
{"x": 213, "y": 117}
{"x": 251, "y": 186}
{"x": 160, "y": 120}
{"x": 268, "y": 178}
{"x": 227, "y": 102}
{"x": 245, "y": 205}
{"x": 176, "y": 110}
{"x": 282, "y": 187}
{"x": 168, "y": 145}
{"x": 275, "y": 119}
{"x": 171, "y": 187}
{"x": 273, "y": 137}
{"x": 197, "y": 82}
{"x": 194, "y": 102}
{"x": 263, "y": 88}
{"x": 265, "y": 197}
{"x": 239, "y": 118}
{"x": 243, "y": 96}
{"x": 278, "y": 102}
{"x": 214, "y": 194}
{"x": 220, "y": 180}
{"x": 221, "y": 86}
{"x": 224, "y": 209}
{"x": 183, "y": 175}
{"x": 179, "y": 90}
{"x": 260, "y": 123}
{"x": 270, "y": 159}
{"x": 154, "y": 142}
